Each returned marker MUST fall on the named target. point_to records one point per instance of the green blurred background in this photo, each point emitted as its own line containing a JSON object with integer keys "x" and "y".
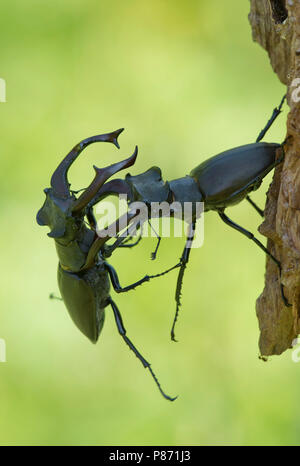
{"x": 186, "y": 81}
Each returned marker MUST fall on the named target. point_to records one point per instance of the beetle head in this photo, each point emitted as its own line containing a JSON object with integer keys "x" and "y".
{"x": 56, "y": 213}
{"x": 62, "y": 211}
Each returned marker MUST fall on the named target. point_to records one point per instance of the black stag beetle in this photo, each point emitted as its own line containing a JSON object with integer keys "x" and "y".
{"x": 84, "y": 275}
{"x": 219, "y": 182}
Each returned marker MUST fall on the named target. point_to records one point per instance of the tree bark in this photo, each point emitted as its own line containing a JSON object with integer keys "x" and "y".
{"x": 276, "y": 27}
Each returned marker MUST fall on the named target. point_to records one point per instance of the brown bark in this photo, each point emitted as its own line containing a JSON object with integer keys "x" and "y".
{"x": 276, "y": 27}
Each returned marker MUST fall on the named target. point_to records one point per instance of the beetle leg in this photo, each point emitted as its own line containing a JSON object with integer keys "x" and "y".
{"x": 116, "y": 283}
{"x": 127, "y": 236}
{"x": 259, "y": 244}
{"x": 153, "y": 254}
{"x": 99, "y": 242}
{"x": 183, "y": 263}
{"x": 131, "y": 245}
{"x": 260, "y": 211}
{"x": 274, "y": 115}
{"x": 122, "y": 240}
{"x": 122, "y": 332}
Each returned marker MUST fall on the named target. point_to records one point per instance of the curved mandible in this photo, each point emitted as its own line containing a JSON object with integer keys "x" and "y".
{"x": 59, "y": 180}
{"x": 102, "y": 174}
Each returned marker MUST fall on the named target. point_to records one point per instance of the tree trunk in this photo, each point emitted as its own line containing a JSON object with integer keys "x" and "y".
{"x": 276, "y": 27}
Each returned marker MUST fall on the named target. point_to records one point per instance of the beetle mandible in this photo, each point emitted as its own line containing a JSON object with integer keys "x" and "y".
{"x": 84, "y": 275}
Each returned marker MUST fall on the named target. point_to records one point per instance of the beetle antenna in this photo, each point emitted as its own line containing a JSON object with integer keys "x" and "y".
{"x": 122, "y": 332}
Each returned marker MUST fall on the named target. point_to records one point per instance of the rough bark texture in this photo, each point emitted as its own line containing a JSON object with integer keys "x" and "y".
{"x": 276, "y": 27}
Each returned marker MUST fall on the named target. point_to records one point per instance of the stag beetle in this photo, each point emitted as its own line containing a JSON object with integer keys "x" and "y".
{"x": 221, "y": 181}
{"x": 84, "y": 275}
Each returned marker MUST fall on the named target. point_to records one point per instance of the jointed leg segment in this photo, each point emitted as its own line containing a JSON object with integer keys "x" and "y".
{"x": 274, "y": 115}
{"x": 182, "y": 264}
{"x": 153, "y": 254}
{"x": 261, "y": 135}
{"x": 259, "y": 244}
{"x": 116, "y": 283}
{"x": 122, "y": 332}
{"x": 258, "y": 209}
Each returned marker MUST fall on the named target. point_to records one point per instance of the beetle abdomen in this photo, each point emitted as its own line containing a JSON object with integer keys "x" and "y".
{"x": 85, "y": 298}
{"x": 226, "y": 178}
